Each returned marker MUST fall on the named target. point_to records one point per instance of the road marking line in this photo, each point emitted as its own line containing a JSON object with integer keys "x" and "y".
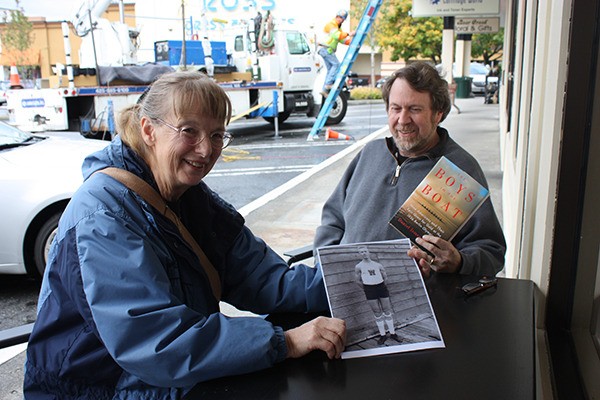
{"x": 293, "y": 145}
{"x": 275, "y": 193}
{"x": 11, "y": 352}
{"x": 221, "y": 172}
{"x": 242, "y": 173}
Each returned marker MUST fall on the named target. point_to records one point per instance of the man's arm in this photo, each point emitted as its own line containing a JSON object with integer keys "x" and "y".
{"x": 383, "y": 273}
{"x": 357, "y": 275}
{"x": 333, "y": 222}
{"x": 480, "y": 242}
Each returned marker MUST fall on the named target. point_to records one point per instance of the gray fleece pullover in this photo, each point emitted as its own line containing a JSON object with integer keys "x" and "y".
{"x": 379, "y": 180}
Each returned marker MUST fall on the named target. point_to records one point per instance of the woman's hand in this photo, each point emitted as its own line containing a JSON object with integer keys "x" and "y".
{"x": 327, "y": 334}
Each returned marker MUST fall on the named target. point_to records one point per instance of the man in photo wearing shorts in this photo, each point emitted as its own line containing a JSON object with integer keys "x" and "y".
{"x": 371, "y": 276}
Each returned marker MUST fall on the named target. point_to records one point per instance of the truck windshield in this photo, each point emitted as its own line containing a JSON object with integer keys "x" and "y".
{"x": 297, "y": 43}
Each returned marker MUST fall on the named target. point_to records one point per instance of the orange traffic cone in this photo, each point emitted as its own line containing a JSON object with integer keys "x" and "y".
{"x": 330, "y": 134}
{"x": 15, "y": 81}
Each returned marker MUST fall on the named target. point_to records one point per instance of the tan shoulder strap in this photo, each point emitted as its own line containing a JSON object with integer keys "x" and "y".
{"x": 148, "y": 193}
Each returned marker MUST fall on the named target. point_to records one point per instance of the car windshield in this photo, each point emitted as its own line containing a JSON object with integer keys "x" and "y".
{"x": 11, "y": 136}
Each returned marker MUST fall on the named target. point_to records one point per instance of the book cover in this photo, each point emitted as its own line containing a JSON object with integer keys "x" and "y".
{"x": 379, "y": 291}
{"x": 441, "y": 204}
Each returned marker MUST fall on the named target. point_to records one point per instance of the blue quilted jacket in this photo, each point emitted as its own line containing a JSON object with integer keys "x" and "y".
{"x": 125, "y": 309}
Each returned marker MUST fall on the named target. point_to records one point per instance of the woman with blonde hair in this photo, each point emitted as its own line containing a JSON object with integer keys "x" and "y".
{"x": 129, "y": 304}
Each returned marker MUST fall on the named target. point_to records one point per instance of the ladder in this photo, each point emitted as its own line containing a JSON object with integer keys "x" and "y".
{"x": 361, "y": 32}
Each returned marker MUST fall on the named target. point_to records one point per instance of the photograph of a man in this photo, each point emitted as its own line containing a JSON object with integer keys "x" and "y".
{"x": 377, "y": 289}
{"x": 371, "y": 276}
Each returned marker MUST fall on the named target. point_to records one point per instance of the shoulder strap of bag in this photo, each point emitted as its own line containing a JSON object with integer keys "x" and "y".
{"x": 148, "y": 193}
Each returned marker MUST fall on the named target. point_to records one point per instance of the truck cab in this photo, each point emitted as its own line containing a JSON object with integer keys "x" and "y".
{"x": 286, "y": 57}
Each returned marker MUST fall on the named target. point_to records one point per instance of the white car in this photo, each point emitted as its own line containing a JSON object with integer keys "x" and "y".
{"x": 38, "y": 176}
{"x": 478, "y": 72}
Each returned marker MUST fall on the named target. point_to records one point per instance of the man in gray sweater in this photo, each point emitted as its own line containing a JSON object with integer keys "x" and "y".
{"x": 386, "y": 171}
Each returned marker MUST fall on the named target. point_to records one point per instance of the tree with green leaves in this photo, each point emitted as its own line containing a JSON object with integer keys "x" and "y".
{"x": 409, "y": 37}
{"x": 16, "y": 37}
{"x": 487, "y": 45}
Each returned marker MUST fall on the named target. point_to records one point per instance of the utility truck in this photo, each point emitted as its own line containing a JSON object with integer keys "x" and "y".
{"x": 84, "y": 97}
{"x": 284, "y": 54}
{"x": 267, "y": 71}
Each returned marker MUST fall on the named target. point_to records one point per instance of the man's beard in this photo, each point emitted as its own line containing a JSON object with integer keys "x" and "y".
{"x": 407, "y": 144}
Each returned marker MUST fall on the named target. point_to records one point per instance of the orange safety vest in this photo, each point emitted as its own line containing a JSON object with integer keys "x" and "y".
{"x": 334, "y": 35}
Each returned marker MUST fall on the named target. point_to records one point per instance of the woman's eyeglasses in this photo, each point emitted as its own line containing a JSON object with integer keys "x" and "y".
{"x": 193, "y": 136}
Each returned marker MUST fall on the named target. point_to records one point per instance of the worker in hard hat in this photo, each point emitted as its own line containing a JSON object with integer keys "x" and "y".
{"x": 333, "y": 35}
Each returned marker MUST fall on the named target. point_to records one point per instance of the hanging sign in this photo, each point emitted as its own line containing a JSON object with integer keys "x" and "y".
{"x": 435, "y": 8}
{"x": 476, "y": 25}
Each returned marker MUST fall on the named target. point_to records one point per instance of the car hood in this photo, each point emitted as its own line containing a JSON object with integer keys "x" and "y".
{"x": 49, "y": 156}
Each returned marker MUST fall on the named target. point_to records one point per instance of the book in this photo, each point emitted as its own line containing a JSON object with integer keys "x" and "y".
{"x": 378, "y": 290}
{"x": 441, "y": 204}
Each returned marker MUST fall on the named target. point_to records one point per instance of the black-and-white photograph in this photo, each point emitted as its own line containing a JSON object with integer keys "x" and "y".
{"x": 378, "y": 290}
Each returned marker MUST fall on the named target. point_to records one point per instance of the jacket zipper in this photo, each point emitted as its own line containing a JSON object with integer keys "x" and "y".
{"x": 396, "y": 175}
{"x": 396, "y": 154}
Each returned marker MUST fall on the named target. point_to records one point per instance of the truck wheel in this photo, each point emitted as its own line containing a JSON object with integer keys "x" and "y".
{"x": 338, "y": 111}
{"x": 282, "y": 117}
{"x": 43, "y": 239}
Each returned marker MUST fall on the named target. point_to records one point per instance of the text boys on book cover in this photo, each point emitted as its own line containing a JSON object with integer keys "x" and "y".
{"x": 441, "y": 204}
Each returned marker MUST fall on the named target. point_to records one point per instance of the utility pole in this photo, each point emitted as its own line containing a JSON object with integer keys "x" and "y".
{"x": 183, "y": 59}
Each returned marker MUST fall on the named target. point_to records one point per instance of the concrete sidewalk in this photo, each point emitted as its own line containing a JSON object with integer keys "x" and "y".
{"x": 287, "y": 217}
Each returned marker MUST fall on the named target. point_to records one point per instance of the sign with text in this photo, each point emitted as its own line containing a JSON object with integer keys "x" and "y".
{"x": 436, "y": 8}
{"x": 33, "y": 103}
{"x": 476, "y": 25}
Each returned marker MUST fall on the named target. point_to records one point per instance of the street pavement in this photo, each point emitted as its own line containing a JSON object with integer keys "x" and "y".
{"x": 286, "y": 218}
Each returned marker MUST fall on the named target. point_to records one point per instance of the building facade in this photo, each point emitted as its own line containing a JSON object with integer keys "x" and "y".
{"x": 48, "y": 49}
{"x": 550, "y": 132}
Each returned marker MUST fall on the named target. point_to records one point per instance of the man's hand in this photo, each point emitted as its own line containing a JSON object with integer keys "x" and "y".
{"x": 446, "y": 258}
{"x": 327, "y": 334}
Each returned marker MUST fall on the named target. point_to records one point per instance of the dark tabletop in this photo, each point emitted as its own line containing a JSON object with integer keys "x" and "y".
{"x": 489, "y": 354}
